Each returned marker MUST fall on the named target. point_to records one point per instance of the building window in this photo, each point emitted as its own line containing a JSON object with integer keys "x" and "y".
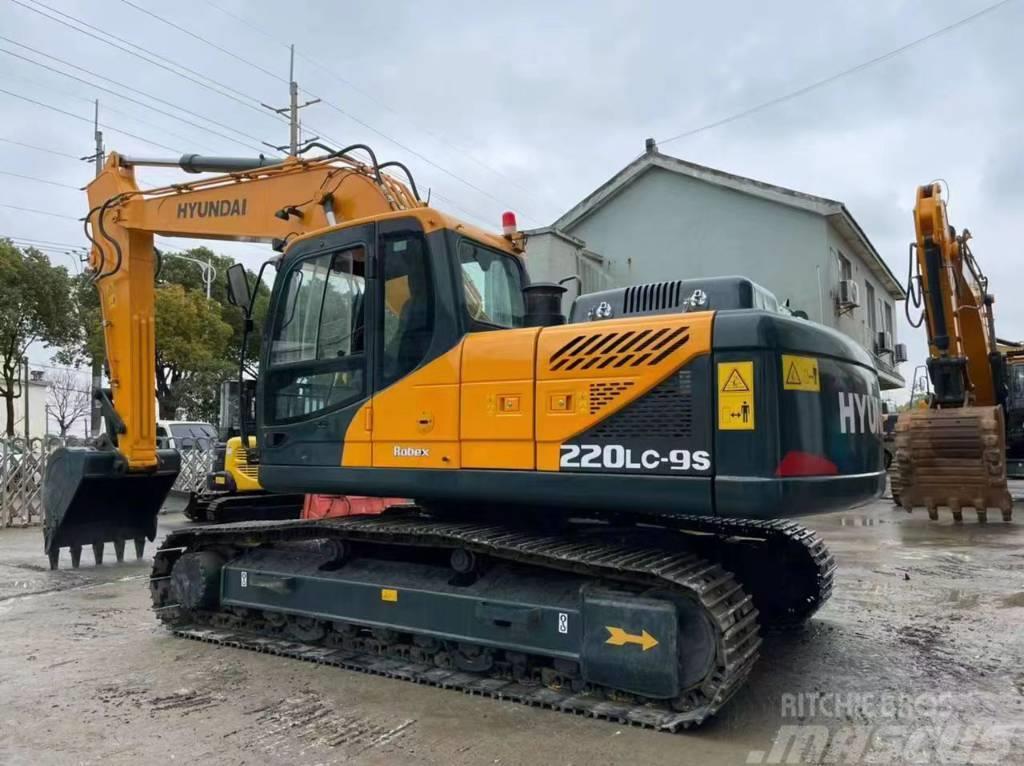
{"x": 887, "y": 315}
{"x": 845, "y": 267}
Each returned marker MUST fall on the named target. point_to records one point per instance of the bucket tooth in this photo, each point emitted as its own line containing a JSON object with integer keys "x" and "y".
{"x": 119, "y": 549}
{"x": 97, "y": 553}
{"x": 140, "y": 547}
{"x": 982, "y": 516}
{"x": 76, "y": 555}
{"x": 54, "y": 556}
{"x": 933, "y": 513}
{"x": 958, "y": 516}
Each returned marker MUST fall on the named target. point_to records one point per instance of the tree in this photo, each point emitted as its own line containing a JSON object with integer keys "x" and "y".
{"x": 191, "y": 351}
{"x": 69, "y": 399}
{"x": 197, "y": 340}
{"x": 189, "y": 275}
{"x": 36, "y": 304}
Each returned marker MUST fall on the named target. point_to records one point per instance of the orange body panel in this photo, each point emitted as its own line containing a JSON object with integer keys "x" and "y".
{"x": 497, "y": 408}
{"x": 508, "y": 399}
{"x": 587, "y": 372}
{"x": 416, "y": 420}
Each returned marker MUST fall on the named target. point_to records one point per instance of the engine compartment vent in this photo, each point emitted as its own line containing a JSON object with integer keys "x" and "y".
{"x": 603, "y": 394}
{"x": 654, "y": 296}
{"x": 664, "y": 412}
{"x": 632, "y": 348}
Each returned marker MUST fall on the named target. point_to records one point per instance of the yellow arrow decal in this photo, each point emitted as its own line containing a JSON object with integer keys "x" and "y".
{"x": 619, "y": 637}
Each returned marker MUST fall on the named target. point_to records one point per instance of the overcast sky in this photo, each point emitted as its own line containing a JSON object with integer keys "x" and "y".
{"x": 530, "y": 106}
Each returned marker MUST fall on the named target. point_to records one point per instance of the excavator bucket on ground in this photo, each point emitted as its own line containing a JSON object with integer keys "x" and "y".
{"x": 953, "y": 458}
{"x": 89, "y": 498}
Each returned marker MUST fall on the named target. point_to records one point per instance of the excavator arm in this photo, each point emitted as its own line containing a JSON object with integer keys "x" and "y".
{"x": 957, "y": 309}
{"x": 112, "y": 492}
{"x": 953, "y": 454}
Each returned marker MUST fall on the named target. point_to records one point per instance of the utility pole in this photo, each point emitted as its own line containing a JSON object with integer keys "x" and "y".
{"x": 24, "y": 362}
{"x": 96, "y": 415}
{"x": 292, "y": 110}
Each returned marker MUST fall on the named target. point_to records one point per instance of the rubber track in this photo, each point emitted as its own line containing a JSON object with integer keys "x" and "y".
{"x": 730, "y": 609}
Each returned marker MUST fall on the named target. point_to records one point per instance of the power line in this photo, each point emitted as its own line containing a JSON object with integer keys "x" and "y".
{"x": 86, "y": 119}
{"x": 39, "y": 180}
{"x": 837, "y": 76}
{"x": 329, "y": 103}
{"x": 107, "y": 108}
{"x": 39, "y": 148}
{"x": 138, "y": 91}
{"x": 201, "y": 39}
{"x": 220, "y": 90}
{"x": 371, "y": 97}
{"x": 42, "y": 241}
{"x": 40, "y": 212}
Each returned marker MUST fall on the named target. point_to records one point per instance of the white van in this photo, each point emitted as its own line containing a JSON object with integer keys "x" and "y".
{"x": 184, "y": 434}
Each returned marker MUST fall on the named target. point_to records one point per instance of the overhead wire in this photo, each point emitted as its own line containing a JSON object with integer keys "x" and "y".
{"x": 38, "y": 148}
{"x": 327, "y": 102}
{"x": 369, "y": 95}
{"x": 153, "y": 58}
{"x": 837, "y": 76}
{"x": 86, "y": 119}
{"x": 40, "y": 212}
{"x": 204, "y": 128}
{"x": 39, "y": 180}
{"x": 107, "y": 109}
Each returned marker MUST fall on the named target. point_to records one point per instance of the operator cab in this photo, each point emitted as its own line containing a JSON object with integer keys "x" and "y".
{"x": 357, "y": 308}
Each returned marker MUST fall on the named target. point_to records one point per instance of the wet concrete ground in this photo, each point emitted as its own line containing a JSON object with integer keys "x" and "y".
{"x": 917, "y": 658}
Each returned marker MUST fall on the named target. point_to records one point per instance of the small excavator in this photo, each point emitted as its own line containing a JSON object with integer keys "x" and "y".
{"x": 232, "y": 490}
{"x": 601, "y": 502}
{"x": 953, "y": 453}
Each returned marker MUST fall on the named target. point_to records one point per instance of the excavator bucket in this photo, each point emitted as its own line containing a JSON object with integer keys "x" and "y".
{"x": 90, "y": 499}
{"x": 953, "y": 458}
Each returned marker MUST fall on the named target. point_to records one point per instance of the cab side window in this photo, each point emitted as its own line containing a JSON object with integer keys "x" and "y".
{"x": 493, "y": 287}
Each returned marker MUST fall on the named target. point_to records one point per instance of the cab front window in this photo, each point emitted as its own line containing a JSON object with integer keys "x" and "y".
{"x": 493, "y": 286}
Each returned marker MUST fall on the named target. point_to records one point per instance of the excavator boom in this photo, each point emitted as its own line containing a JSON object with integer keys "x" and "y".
{"x": 113, "y": 491}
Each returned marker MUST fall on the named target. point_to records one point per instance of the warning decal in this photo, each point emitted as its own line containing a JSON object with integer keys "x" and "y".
{"x": 736, "y": 396}
{"x": 800, "y": 373}
{"x": 735, "y": 384}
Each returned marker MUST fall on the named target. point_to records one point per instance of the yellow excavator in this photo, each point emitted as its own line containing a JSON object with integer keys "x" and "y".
{"x": 953, "y": 453}
{"x": 602, "y": 501}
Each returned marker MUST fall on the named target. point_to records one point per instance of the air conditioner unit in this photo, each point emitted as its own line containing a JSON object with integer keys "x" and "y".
{"x": 883, "y": 342}
{"x": 899, "y": 353}
{"x": 849, "y": 294}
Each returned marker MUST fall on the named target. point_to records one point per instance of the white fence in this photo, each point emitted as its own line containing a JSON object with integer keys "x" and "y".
{"x": 21, "y": 476}
{"x": 22, "y": 465}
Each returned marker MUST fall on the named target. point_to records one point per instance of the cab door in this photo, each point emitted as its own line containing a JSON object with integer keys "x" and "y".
{"x": 415, "y": 417}
{"x": 316, "y": 369}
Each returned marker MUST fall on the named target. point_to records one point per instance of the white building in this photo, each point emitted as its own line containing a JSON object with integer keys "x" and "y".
{"x": 662, "y": 218}
{"x": 38, "y": 392}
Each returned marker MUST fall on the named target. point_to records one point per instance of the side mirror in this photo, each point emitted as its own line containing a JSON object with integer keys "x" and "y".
{"x": 238, "y": 287}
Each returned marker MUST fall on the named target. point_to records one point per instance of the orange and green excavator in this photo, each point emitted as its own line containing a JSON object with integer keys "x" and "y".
{"x": 953, "y": 453}
{"x": 602, "y": 501}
